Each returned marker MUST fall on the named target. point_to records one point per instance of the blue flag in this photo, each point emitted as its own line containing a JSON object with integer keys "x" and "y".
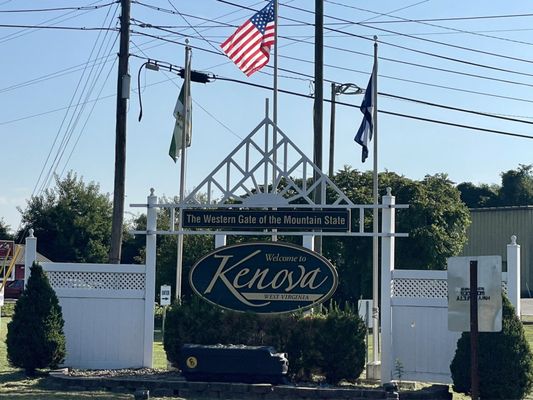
{"x": 364, "y": 134}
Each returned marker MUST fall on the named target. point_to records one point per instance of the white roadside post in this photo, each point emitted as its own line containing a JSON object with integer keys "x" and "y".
{"x": 387, "y": 266}
{"x": 30, "y": 255}
{"x": 151, "y": 248}
{"x": 220, "y": 240}
{"x": 513, "y": 274}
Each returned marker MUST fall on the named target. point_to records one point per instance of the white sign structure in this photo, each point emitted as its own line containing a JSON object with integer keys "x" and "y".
{"x": 489, "y": 292}
{"x": 164, "y": 298}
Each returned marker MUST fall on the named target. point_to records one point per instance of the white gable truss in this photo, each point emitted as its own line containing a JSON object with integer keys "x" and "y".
{"x": 266, "y": 170}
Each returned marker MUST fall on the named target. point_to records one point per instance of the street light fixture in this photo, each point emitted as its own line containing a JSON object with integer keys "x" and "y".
{"x": 337, "y": 89}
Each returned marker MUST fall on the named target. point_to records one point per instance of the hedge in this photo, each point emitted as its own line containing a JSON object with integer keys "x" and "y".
{"x": 328, "y": 343}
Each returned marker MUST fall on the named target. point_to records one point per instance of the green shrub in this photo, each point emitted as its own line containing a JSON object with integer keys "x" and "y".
{"x": 504, "y": 358}
{"x": 35, "y": 336}
{"x": 330, "y": 344}
{"x": 346, "y": 360}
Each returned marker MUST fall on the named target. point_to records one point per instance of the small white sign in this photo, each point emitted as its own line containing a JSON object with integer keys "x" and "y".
{"x": 365, "y": 311}
{"x": 164, "y": 297}
{"x": 489, "y": 293}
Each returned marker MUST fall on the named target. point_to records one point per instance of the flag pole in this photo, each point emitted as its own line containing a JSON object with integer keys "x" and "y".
{"x": 275, "y": 107}
{"x": 186, "y": 117}
{"x": 375, "y": 244}
{"x": 275, "y": 94}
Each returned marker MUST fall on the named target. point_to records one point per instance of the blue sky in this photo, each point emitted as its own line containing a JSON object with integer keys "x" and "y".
{"x": 44, "y": 76}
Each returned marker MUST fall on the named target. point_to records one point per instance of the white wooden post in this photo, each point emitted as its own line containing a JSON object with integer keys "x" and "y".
{"x": 220, "y": 240}
{"x": 30, "y": 255}
{"x": 387, "y": 266}
{"x": 151, "y": 248}
{"x": 513, "y": 274}
{"x": 308, "y": 241}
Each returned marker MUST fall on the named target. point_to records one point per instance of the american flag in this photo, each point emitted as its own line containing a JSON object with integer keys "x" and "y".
{"x": 249, "y": 46}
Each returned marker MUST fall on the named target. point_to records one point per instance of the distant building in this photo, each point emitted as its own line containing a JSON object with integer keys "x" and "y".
{"x": 15, "y": 281}
{"x": 491, "y": 231}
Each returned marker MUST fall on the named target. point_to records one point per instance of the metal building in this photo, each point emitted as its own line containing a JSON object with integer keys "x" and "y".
{"x": 491, "y": 231}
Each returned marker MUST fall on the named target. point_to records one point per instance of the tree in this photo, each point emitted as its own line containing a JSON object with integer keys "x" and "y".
{"x": 478, "y": 196}
{"x": 4, "y": 231}
{"x": 436, "y": 222}
{"x": 35, "y": 336}
{"x": 505, "y": 360}
{"x": 194, "y": 247}
{"x": 72, "y": 221}
{"x": 517, "y": 186}
{"x": 516, "y": 189}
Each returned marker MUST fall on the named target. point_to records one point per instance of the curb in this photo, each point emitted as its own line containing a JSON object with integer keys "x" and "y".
{"x": 179, "y": 387}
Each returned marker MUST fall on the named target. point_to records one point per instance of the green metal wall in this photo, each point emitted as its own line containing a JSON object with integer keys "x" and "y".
{"x": 491, "y": 231}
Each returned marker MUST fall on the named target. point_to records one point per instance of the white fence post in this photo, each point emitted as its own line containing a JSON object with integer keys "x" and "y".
{"x": 513, "y": 274}
{"x": 308, "y": 241}
{"x": 151, "y": 248}
{"x": 30, "y": 255}
{"x": 220, "y": 240}
{"x": 387, "y": 265}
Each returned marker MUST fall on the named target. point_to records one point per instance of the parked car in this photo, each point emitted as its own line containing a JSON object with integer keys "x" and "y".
{"x": 13, "y": 289}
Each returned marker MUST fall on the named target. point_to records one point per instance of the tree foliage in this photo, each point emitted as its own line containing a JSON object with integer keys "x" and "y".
{"x": 72, "y": 221}
{"x": 4, "y": 231}
{"x": 35, "y": 336}
{"x": 516, "y": 189}
{"x": 436, "y": 222}
{"x": 194, "y": 247}
{"x": 505, "y": 360}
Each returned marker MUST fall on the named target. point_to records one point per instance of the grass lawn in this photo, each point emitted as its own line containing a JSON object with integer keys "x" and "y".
{"x": 15, "y": 385}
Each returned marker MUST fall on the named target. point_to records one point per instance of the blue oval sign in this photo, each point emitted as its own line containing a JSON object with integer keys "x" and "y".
{"x": 264, "y": 278}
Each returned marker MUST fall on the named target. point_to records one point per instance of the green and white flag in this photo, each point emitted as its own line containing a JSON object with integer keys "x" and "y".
{"x": 179, "y": 127}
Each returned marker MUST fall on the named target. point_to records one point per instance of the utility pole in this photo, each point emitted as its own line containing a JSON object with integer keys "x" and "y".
{"x": 332, "y": 130}
{"x": 123, "y": 90}
{"x": 319, "y": 101}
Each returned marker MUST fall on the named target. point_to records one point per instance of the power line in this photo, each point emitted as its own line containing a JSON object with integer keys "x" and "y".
{"x": 433, "y": 25}
{"x": 420, "y": 39}
{"x": 81, "y": 8}
{"x": 454, "y": 18}
{"x": 471, "y": 127}
{"x": 59, "y": 19}
{"x": 366, "y": 73}
{"x": 71, "y": 28}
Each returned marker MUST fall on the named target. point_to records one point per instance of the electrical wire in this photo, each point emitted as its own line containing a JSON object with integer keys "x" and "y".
{"x": 81, "y": 8}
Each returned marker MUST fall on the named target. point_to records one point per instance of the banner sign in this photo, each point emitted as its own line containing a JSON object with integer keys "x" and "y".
{"x": 265, "y": 278}
{"x": 7, "y": 248}
{"x": 337, "y": 220}
{"x": 489, "y": 293}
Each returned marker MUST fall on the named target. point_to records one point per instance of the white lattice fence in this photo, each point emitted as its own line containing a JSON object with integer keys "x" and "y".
{"x": 108, "y": 323}
{"x": 421, "y": 340}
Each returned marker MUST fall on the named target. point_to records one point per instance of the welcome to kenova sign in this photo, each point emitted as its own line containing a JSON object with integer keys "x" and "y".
{"x": 266, "y": 277}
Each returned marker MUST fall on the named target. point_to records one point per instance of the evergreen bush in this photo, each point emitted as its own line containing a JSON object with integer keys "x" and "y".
{"x": 504, "y": 358}
{"x": 35, "y": 337}
{"x": 330, "y": 344}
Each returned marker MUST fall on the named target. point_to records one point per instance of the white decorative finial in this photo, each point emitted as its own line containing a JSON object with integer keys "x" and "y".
{"x": 389, "y": 191}
{"x": 152, "y": 191}
{"x": 513, "y": 240}
{"x": 31, "y": 232}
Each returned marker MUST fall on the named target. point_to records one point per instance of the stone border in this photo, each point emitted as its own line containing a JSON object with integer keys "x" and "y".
{"x": 178, "y": 386}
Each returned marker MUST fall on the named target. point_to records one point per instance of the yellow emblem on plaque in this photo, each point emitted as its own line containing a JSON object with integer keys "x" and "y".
{"x": 191, "y": 362}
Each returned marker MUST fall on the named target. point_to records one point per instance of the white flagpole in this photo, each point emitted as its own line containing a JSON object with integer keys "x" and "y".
{"x": 375, "y": 244}
{"x": 275, "y": 106}
{"x": 186, "y": 117}
{"x": 275, "y": 94}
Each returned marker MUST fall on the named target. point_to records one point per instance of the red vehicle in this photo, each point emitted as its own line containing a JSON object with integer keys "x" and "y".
{"x": 15, "y": 281}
